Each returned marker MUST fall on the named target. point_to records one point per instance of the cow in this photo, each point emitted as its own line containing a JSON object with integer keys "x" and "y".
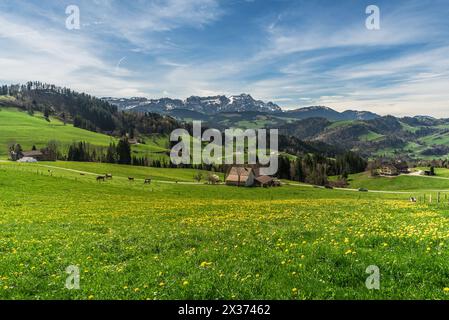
{"x": 131, "y": 178}
{"x": 101, "y": 178}
{"x": 147, "y": 181}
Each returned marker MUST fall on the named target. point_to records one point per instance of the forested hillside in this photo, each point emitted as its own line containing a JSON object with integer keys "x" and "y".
{"x": 83, "y": 110}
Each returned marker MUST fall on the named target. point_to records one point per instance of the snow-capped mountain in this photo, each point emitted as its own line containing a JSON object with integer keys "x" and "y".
{"x": 207, "y": 105}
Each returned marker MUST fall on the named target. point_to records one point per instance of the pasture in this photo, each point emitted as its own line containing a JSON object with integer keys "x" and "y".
{"x": 402, "y": 182}
{"x": 20, "y": 127}
{"x": 195, "y": 241}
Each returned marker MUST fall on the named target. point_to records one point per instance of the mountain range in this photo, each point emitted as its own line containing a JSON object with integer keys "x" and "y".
{"x": 369, "y": 134}
{"x": 313, "y": 129}
{"x": 196, "y": 107}
{"x": 207, "y": 105}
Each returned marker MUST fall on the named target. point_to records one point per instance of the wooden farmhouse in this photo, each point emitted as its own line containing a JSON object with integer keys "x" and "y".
{"x": 249, "y": 177}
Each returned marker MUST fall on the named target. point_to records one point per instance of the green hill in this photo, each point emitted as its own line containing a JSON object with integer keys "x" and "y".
{"x": 399, "y": 183}
{"x": 20, "y": 127}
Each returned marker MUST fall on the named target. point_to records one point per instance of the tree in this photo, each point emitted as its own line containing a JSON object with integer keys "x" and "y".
{"x": 16, "y": 152}
{"x": 47, "y": 114}
{"x": 124, "y": 151}
{"x": 299, "y": 172}
{"x": 52, "y": 150}
{"x": 111, "y": 153}
{"x": 64, "y": 118}
{"x": 198, "y": 177}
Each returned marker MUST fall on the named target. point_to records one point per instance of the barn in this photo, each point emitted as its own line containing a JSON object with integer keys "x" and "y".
{"x": 241, "y": 177}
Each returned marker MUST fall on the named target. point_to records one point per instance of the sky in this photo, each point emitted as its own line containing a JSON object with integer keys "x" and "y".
{"x": 296, "y": 53}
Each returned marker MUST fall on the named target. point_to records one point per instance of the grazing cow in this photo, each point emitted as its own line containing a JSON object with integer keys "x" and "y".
{"x": 147, "y": 181}
{"x": 130, "y": 178}
{"x": 101, "y": 178}
{"x": 108, "y": 175}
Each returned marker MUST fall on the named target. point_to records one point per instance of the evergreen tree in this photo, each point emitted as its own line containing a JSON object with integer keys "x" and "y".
{"x": 124, "y": 151}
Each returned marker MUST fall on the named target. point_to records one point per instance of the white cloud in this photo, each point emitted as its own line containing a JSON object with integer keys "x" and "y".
{"x": 296, "y": 66}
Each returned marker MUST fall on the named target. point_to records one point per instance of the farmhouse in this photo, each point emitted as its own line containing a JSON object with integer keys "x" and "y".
{"x": 241, "y": 176}
{"x": 265, "y": 181}
{"x": 389, "y": 170}
{"x": 394, "y": 169}
{"x": 249, "y": 177}
{"x": 39, "y": 155}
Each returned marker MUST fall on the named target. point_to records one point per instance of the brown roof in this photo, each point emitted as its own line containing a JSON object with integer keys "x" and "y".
{"x": 264, "y": 179}
{"x": 239, "y": 172}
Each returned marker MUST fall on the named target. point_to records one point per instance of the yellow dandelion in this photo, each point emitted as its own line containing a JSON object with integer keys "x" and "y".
{"x": 205, "y": 264}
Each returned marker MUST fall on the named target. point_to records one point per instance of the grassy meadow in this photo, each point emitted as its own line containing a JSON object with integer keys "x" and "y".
{"x": 20, "y": 127}
{"x": 194, "y": 241}
{"x": 402, "y": 182}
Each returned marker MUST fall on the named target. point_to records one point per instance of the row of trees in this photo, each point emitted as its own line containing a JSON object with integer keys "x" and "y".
{"x": 115, "y": 153}
{"x": 315, "y": 169}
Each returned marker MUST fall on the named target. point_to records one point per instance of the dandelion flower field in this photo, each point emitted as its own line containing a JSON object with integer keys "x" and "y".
{"x": 183, "y": 241}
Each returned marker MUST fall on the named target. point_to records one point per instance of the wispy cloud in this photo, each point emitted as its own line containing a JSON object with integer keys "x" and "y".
{"x": 296, "y": 53}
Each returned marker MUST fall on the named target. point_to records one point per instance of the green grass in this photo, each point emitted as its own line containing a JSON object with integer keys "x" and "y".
{"x": 5, "y": 99}
{"x": 343, "y": 123}
{"x": 175, "y": 241}
{"x": 409, "y": 128}
{"x": 20, "y": 127}
{"x": 371, "y": 136}
{"x": 165, "y": 174}
{"x": 436, "y": 139}
{"x": 399, "y": 183}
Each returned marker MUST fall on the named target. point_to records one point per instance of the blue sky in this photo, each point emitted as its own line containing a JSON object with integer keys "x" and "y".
{"x": 295, "y": 53}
